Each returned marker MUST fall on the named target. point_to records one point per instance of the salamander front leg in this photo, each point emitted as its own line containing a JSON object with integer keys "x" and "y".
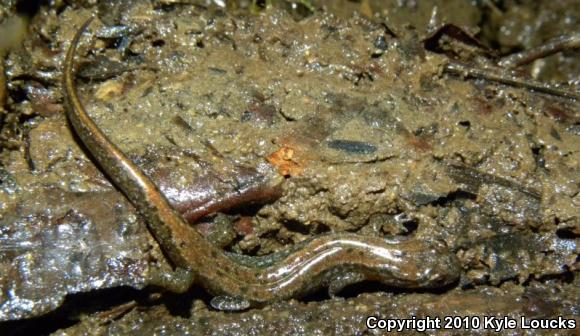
{"x": 341, "y": 281}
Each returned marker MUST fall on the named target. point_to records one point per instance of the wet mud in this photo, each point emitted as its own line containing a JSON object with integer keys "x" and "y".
{"x": 268, "y": 123}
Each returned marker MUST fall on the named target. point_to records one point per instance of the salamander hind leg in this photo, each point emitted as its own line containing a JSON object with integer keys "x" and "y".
{"x": 177, "y": 281}
{"x": 229, "y": 303}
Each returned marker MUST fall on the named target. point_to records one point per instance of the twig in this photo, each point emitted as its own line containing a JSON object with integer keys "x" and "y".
{"x": 501, "y": 76}
{"x": 560, "y": 43}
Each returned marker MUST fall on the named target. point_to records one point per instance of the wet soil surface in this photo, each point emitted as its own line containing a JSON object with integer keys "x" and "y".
{"x": 268, "y": 126}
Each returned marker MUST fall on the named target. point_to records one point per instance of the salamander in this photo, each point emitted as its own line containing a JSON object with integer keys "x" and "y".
{"x": 331, "y": 260}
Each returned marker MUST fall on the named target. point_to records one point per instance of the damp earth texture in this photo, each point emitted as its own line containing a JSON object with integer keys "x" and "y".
{"x": 451, "y": 128}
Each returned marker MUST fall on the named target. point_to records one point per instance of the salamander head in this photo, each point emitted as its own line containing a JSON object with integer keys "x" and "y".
{"x": 426, "y": 266}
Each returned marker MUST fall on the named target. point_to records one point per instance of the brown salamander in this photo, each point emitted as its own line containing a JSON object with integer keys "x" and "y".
{"x": 331, "y": 260}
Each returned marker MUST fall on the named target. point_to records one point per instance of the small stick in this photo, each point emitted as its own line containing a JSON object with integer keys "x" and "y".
{"x": 560, "y": 43}
{"x": 493, "y": 75}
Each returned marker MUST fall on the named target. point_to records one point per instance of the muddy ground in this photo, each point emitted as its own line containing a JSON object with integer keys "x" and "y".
{"x": 341, "y": 118}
